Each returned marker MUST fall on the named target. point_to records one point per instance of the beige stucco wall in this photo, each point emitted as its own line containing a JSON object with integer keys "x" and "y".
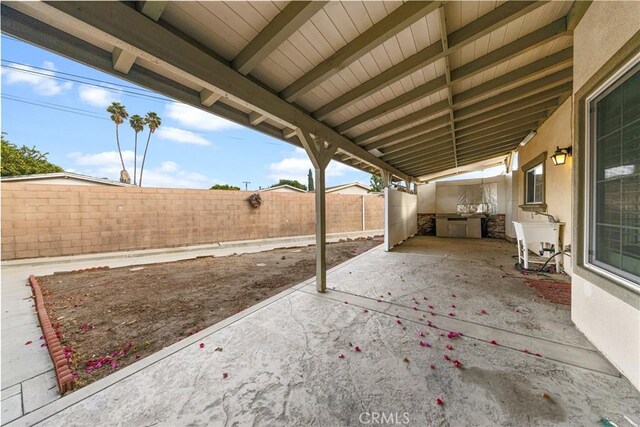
{"x": 609, "y": 316}
{"x": 602, "y": 31}
{"x": 427, "y": 198}
{"x": 556, "y": 131}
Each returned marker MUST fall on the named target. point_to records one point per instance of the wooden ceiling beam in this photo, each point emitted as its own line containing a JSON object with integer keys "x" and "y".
{"x": 386, "y": 28}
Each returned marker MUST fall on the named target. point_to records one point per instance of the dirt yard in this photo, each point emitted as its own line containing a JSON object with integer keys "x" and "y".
{"x": 108, "y": 319}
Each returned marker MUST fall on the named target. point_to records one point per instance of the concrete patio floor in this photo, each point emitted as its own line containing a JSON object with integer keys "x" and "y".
{"x": 282, "y": 355}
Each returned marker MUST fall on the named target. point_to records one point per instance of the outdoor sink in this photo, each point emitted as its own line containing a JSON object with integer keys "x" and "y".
{"x": 533, "y": 235}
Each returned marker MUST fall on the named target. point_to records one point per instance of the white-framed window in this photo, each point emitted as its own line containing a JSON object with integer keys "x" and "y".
{"x": 534, "y": 185}
{"x": 613, "y": 176}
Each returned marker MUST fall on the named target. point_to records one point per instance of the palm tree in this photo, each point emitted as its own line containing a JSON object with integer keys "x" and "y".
{"x": 118, "y": 116}
{"x": 137, "y": 123}
{"x": 154, "y": 122}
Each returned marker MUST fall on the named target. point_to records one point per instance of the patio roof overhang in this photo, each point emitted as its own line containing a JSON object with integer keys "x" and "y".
{"x": 408, "y": 90}
{"x": 411, "y": 89}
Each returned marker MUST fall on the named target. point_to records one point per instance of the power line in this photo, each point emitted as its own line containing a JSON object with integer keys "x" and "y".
{"x": 62, "y": 108}
{"x": 107, "y": 86}
{"x": 77, "y": 76}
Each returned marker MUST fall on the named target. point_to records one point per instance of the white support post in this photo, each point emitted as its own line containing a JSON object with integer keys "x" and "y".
{"x": 320, "y": 157}
{"x": 386, "y": 179}
{"x": 321, "y": 231}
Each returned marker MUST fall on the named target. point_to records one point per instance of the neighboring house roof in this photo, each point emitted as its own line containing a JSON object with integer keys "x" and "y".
{"x": 62, "y": 175}
{"x": 283, "y": 187}
{"x": 343, "y": 186}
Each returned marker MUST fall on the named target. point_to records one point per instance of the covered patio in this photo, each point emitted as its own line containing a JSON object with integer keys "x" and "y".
{"x": 282, "y": 360}
{"x": 412, "y": 92}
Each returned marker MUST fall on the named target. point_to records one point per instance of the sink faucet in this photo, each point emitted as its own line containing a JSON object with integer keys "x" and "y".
{"x": 549, "y": 217}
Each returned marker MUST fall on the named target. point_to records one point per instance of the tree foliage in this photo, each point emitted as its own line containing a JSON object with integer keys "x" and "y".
{"x": 375, "y": 183}
{"x": 24, "y": 160}
{"x": 225, "y": 187}
{"x": 291, "y": 182}
{"x": 310, "y": 181}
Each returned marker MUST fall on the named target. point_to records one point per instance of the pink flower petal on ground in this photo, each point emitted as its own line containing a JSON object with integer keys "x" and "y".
{"x": 453, "y": 306}
{"x": 225, "y": 375}
{"x": 415, "y": 308}
{"x": 137, "y": 356}
{"x": 525, "y": 351}
{"x": 357, "y": 349}
{"x": 441, "y": 334}
{"x": 420, "y": 333}
{"x": 449, "y": 347}
{"x": 452, "y": 335}
{"x": 483, "y": 311}
{"x": 398, "y": 322}
{"x": 494, "y": 342}
{"x": 452, "y": 314}
{"x": 439, "y": 402}
{"x": 538, "y": 354}
{"x": 424, "y": 344}
{"x": 365, "y": 311}
{"x": 457, "y": 363}
{"x": 433, "y": 366}
{"x": 28, "y": 342}
{"x": 201, "y": 345}
{"x": 378, "y": 300}
{"x": 429, "y": 324}
{"x": 432, "y": 313}
{"x": 341, "y": 356}
{"x": 431, "y": 307}
{"x": 446, "y": 357}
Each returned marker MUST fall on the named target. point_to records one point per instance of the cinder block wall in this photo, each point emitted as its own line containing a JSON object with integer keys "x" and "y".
{"x": 55, "y": 220}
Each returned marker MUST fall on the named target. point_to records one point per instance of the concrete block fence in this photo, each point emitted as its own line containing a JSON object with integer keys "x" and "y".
{"x": 57, "y": 220}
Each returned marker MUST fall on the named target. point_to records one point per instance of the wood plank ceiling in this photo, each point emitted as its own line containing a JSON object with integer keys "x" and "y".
{"x": 415, "y": 88}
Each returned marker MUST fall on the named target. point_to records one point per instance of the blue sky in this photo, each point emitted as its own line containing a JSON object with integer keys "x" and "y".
{"x": 192, "y": 149}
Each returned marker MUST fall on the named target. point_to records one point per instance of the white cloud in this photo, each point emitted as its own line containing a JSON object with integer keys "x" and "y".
{"x": 181, "y": 136}
{"x": 297, "y": 167}
{"x": 169, "y": 174}
{"x": 194, "y": 118}
{"x": 96, "y": 96}
{"x": 43, "y": 83}
{"x": 107, "y": 159}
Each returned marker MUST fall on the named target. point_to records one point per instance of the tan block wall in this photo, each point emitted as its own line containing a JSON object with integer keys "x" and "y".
{"x": 58, "y": 220}
{"x": 374, "y": 212}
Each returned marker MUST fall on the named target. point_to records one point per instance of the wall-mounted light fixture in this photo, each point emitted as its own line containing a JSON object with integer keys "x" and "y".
{"x": 560, "y": 156}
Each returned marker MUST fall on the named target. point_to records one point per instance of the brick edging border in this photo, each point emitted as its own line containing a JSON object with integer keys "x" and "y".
{"x": 64, "y": 377}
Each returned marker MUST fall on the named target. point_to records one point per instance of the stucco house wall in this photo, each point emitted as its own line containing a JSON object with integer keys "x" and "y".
{"x": 604, "y": 309}
{"x": 556, "y": 131}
